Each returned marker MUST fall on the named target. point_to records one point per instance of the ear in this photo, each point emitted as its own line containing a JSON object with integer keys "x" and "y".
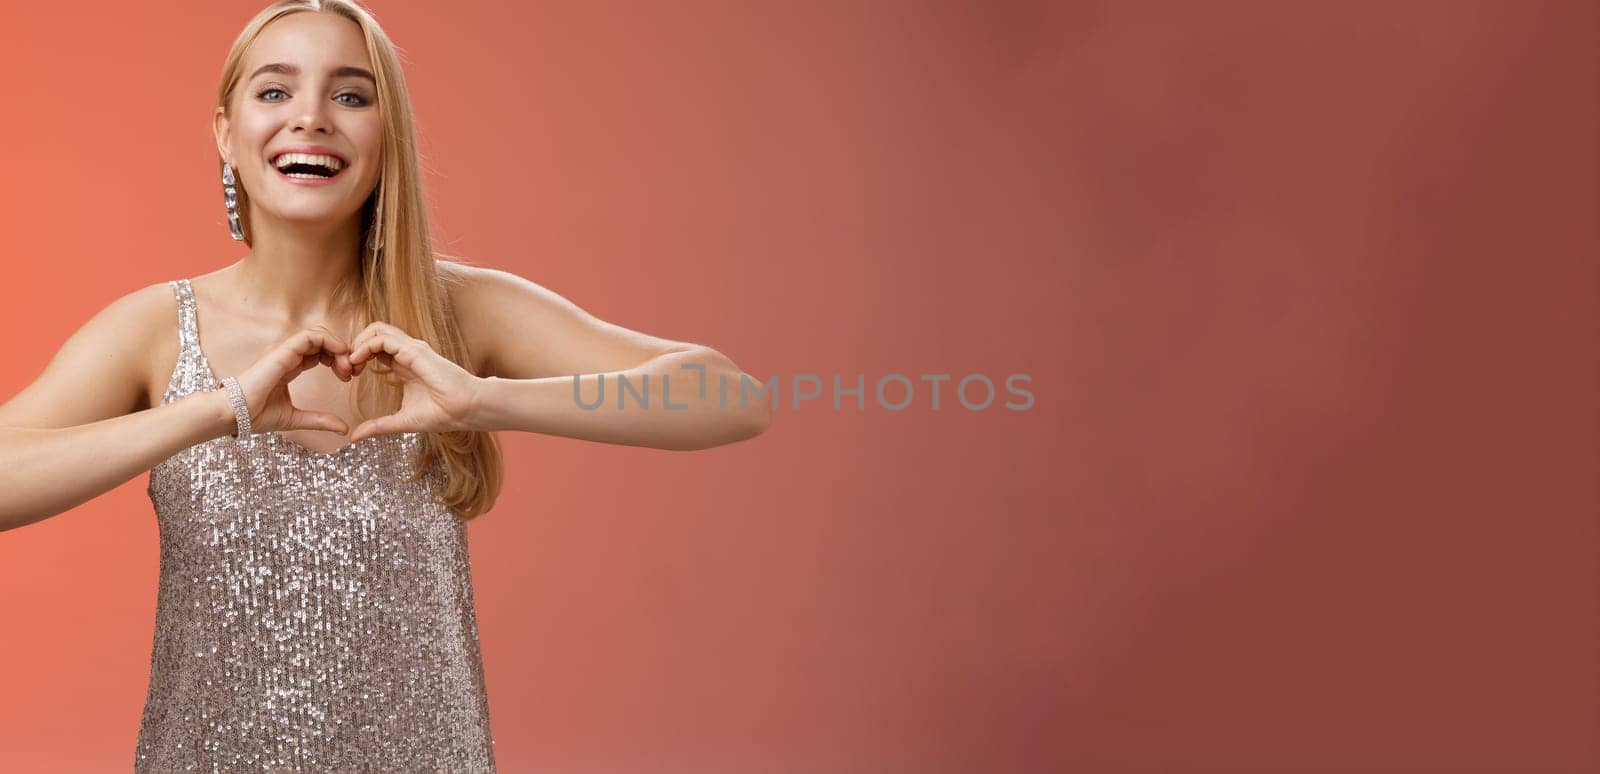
{"x": 221, "y": 128}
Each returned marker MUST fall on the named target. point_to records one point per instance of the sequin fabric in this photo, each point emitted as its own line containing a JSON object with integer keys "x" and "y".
{"x": 315, "y": 611}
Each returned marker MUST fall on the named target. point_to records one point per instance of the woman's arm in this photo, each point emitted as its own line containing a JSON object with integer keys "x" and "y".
{"x": 46, "y": 471}
{"x": 543, "y": 365}
{"x": 546, "y": 358}
{"x": 682, "y": 400}
{"x": 69, "y": 436}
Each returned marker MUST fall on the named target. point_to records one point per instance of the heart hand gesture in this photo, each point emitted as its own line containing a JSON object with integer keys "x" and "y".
{"x": 437, "y": 395}
{"x": 266, "y": 382}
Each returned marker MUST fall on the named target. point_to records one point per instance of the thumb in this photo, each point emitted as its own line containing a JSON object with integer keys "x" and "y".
{"x": 378, "y": 426}
{"x": 317, "y": 420}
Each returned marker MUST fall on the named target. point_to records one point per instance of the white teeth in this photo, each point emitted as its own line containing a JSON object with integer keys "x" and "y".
{"x": 331, "y": 162}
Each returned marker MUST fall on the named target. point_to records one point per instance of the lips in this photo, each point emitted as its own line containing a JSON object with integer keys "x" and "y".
{"x": 308, "y": 178}
{"x": 308, "y": 165}
{"x": 319, "y": 150}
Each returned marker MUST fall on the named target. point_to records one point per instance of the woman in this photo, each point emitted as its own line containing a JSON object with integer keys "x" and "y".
{"x": 315, "y": 607}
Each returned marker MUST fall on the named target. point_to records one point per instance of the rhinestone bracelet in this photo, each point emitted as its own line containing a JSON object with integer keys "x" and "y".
{"x": 241, "y": 410}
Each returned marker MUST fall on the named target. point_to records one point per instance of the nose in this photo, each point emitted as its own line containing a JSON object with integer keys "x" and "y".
{"x": 313, "y": 118}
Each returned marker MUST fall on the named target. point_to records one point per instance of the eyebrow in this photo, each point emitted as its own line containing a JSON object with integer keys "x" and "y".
{"x": 346, "y": 71}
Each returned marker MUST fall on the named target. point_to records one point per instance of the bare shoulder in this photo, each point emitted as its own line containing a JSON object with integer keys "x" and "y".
{"x": 519, "y": 329}
{"x": 137, "y": 319}
{"x": 464, "y": 284}
{"x": 154, "y": 309}
{"x": 152, "y": 303}
{"x": 103, "y": 369}
{"x": 480, "y": 283}
{"x": 490, "y": 292}
{"x": 146, "y": 321}
{"x": 488, "y": 303}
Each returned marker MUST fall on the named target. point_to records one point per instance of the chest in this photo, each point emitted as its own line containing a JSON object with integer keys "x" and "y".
{"x": 226, "y": 346}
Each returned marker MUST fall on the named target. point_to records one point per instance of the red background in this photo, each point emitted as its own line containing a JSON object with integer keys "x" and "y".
{"x": 1307, "y": 292}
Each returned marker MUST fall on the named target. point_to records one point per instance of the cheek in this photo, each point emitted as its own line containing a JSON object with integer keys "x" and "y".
{"x": 365, "y": 138}
{"x": 251, "y": 128}
{"x": 371, "y": 146}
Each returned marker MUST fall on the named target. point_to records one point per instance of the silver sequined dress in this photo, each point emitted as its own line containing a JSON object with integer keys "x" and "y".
{"x": 315, "y": 611}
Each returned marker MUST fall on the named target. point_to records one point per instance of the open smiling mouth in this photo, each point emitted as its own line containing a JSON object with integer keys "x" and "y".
{"x": 308, "y": 166}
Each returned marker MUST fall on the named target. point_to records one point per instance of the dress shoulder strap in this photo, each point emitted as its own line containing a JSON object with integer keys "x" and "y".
{"x": 188, "y": 334}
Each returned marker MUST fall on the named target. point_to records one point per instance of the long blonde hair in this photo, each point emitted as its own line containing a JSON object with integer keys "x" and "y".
{"x": 400, "y": 280}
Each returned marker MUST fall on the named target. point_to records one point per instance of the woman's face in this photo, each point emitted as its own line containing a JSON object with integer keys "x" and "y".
{"x": 305, "y": 88}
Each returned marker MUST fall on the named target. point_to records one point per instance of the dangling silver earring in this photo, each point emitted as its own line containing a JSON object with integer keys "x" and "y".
{"x": 231, "y": 198}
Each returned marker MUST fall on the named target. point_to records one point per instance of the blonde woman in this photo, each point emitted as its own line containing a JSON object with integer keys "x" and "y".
{"x": 315, "y": 608}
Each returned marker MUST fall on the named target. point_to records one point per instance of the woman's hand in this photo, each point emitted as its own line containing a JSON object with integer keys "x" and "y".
{"x": 266, "y": 382}
{"x": 437, "y": 396}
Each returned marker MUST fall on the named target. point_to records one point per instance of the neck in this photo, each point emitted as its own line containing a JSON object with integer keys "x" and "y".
{"x": 294, "y": 270}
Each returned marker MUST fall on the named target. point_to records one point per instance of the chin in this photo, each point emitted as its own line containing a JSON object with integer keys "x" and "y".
{"x": 310, "y": 215}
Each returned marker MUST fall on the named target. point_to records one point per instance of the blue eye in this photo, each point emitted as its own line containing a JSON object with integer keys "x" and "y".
{"x": 356, "y": 100}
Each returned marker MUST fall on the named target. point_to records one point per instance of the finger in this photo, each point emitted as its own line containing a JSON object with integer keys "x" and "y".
{"x": 378, "y": 357}
{"x": 357, "y": 348}
{"x": 317, "y": 420}
{"x": 333, "y": 342}
{"x": 361, "y": 338}
{"x": 319, "y": 341}
{"x": 359, "y": 364}
{"x": 377, "y": 342}
{"x": 377, "y": 329}
{"x": 340, "y": 364}
{"x": 321, "y": 357}
{"x": 293, "y": 352}
{"x": 306, "y": 364}
{"x": 305, "y": 350}
{"x": 383, "y": 343}
{"x": 379, "y": 426}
